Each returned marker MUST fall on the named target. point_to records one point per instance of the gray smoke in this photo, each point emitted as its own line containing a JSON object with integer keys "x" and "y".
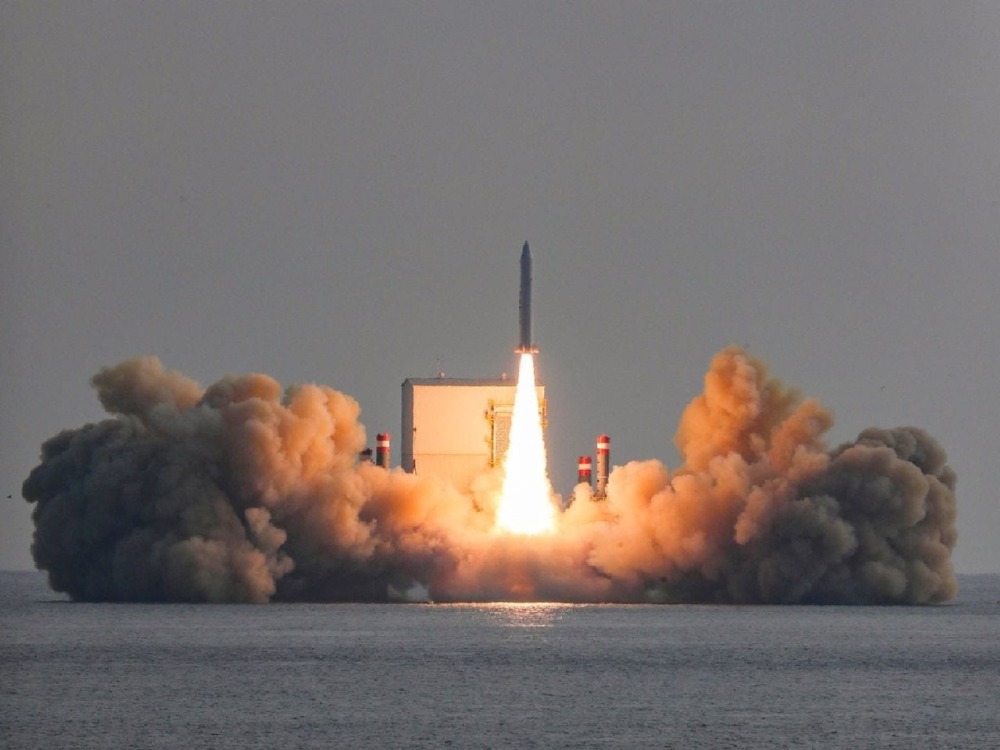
{"x": 245, "y": 492}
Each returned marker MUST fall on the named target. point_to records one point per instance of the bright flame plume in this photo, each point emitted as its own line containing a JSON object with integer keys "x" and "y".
{"x": 526, "y": 499}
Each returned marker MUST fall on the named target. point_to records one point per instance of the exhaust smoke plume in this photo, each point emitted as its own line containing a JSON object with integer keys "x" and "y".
{"x": 245, "y": 492}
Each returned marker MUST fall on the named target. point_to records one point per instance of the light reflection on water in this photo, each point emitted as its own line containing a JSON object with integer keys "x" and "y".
{"x": 515, "y": 614}
{"x": 525, "y": 614}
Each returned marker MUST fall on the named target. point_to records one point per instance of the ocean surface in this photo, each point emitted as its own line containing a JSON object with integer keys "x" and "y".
{"x": 497, "y": 676}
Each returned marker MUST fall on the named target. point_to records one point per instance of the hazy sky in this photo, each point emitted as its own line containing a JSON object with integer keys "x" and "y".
{"x": 338, "y": 193}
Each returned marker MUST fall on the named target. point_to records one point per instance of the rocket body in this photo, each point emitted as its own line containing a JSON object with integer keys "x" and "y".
{"x": 524, "y": 344}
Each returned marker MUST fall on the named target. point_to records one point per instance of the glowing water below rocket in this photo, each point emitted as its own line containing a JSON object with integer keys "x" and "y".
{"x": 525, "y": 502}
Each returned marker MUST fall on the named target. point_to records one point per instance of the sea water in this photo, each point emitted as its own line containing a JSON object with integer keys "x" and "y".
{"x": 497, "y": 675}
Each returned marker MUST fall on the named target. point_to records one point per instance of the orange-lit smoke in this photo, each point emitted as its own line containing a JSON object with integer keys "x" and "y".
{"x": 525, "y": 505}
{"x": 245, "y": 491}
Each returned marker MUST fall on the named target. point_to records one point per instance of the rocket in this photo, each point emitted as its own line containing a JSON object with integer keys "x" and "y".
{"x": 524, "y": 345}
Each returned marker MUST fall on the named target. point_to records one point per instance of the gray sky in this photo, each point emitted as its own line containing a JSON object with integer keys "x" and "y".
{"x": 338, "y": 193}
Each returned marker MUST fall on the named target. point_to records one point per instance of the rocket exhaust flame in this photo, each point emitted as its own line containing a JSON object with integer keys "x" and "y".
{"x": 525, "y": 505}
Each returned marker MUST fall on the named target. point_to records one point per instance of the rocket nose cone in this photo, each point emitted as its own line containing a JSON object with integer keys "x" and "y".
{"x": 525, "y": 251}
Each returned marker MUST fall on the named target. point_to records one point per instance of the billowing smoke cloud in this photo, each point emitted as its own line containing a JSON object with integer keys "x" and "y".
{"x": 245, "y": 492}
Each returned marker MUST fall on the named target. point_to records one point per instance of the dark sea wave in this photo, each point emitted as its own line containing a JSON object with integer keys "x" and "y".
{"x": 497, "y": 675}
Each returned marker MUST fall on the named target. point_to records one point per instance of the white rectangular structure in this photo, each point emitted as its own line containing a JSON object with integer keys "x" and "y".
{"x": 457, "y": 428}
